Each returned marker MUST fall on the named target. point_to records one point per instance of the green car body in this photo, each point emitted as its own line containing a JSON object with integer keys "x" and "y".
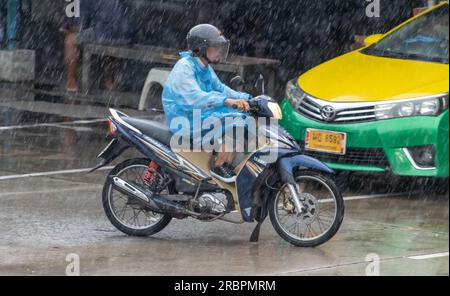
{"x": 390, "y": 136}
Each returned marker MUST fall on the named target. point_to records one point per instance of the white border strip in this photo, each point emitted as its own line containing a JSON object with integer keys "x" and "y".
{"x": 429, "y": 256}
{"x": 43, "y": 174}
{"x": 51, "y": 191}
{"x": 53, "y": 124}
{"x": 359, "y": 197}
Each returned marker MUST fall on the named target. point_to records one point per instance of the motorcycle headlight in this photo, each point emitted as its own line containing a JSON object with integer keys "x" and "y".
{"x": 293, "y": 93}
{"x": 276, "y": 110}
{"x": 419, "y": 107}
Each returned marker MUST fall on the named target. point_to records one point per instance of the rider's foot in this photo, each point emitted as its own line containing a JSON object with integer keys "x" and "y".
{"x": 224, "y": 173}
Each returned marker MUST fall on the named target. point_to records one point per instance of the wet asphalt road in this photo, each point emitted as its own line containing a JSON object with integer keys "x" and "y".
{"x": 45, "y": 217}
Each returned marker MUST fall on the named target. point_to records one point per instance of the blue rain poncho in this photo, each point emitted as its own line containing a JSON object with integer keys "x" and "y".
{"x": 192, "y": 85}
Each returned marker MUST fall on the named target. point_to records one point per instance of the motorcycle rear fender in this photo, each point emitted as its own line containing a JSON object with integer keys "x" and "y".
{"x": 114, "y": 149}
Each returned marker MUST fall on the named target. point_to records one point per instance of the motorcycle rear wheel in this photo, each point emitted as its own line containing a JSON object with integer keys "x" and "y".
{"x": 142, "y": 222}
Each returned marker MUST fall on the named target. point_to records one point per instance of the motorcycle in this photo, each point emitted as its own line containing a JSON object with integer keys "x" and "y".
{"x": 142, "y": 195}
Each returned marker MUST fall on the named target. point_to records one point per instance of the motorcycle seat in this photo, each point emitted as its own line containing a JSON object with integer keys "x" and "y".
{"x": 152, "y": 129}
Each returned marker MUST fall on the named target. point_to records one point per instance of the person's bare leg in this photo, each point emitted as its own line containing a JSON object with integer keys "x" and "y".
{"x": 70, "y": 60}
{"x": 110, "y": 69}
{"x": 222, "y": 158}
{"x": 230, "y": 157}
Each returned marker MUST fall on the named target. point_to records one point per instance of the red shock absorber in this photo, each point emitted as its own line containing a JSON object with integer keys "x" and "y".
{"x": 151, "y": 170}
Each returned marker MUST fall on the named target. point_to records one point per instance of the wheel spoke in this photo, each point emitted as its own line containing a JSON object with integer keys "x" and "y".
{"x": 132, "y": 215}
{"x": 321, "y": 225}
{"x": 318, "y": 217}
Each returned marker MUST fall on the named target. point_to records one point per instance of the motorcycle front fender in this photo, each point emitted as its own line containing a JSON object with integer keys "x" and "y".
{"x": 288, "y": 165}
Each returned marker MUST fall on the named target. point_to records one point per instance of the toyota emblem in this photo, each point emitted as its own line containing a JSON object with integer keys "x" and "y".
{"x": 328, "y": 113}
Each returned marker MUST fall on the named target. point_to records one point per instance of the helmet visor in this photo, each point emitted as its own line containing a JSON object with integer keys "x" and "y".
{"x": 218, "y": 53}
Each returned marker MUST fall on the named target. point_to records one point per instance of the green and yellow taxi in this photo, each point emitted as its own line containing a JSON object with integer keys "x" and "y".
{"x": 382, "y": 108}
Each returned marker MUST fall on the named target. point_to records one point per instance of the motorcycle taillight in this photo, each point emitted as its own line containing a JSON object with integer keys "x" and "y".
{"x": 112, "y": 129}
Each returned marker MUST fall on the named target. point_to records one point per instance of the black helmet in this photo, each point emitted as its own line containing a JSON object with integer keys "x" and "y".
{"x": 202, "y": 37}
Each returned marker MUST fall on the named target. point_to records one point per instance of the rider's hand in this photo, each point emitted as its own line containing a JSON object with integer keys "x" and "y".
{"x": 238, "y": 104}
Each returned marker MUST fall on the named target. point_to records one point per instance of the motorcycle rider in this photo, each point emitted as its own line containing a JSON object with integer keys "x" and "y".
{"x": 193, "y": 84}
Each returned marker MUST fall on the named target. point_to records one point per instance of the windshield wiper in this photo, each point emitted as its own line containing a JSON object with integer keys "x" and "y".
{"x": 402, "y": 55}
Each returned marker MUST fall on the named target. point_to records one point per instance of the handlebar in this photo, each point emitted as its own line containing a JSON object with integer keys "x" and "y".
{"x": 254, "y": 109}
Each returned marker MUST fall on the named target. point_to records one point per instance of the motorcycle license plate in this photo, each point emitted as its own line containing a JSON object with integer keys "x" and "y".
{"x": 325, "y": 141}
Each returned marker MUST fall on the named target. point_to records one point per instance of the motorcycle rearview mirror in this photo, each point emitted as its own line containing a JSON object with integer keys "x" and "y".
{"x": 237, "y": 81}
{"x": 261, "y": 82}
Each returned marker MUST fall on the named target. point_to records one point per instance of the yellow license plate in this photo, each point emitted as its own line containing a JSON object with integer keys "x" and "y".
{"x": 325, "y": 141}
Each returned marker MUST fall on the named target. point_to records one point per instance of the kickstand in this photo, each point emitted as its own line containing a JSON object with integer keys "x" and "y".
{"x": 255, "y": 234}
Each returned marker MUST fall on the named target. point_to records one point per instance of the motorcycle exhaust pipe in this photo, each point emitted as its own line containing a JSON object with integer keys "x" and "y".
{"x": 129, "y": 189}
{"x": 147, "y": 199}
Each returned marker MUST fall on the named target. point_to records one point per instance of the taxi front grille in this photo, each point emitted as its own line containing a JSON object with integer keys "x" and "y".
{"x": 356, "y": 156}
{"x": 347, "y": 113}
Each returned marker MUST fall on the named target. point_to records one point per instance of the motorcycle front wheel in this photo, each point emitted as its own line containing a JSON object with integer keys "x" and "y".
{"x": 323, "y": 216}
